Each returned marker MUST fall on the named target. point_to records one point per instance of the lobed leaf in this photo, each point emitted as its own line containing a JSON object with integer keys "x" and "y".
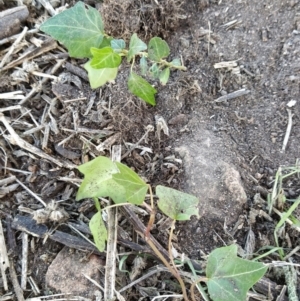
{"x": 135, "y": 187}
{"x": 176, "y": 62}
{"x": 98, "y": 181}
{"x": 164, "y": 76}
{"x": 98, "y": 230}
{"x": 154, "y": 70}
{"x": 99, "y": 77}
{"x": 158, "y": 49}
{"x": 78, "y": 28}
{"x": 230, "y": 277}
{"x": 105, "y": 42}
{"x": 177, "y": 205}
{"x": 105, "y": 58}
{"x": 117, "y": 44}
{"x": 136, "y": 45}
{"x": 141, "y": 88}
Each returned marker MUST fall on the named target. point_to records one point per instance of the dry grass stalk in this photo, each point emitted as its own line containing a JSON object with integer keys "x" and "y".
{"x": 3, "y": 258}
{"x": 112, "y": 228}
{"x": 24, "y": 260}
{"x": 13, "y": 46}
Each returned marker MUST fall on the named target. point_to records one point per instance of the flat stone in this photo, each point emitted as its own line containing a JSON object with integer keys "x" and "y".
{"x": 211, "y": 177}
{"x": 65, "y": 274}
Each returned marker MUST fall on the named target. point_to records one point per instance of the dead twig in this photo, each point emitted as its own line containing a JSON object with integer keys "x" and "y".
{"x": 13, "y": 38}
{"x": 24, "y": 260}
{"x": 13, "y": 46}
{"x": 150, "y": 128}
{"x": 32, "y": 193}
{"x": 11, "y": 95}
{"x": 112, "y": 227}
{"x": 3, "y": 258}
{"x": 288, "y": 130}
{"x": 14, "y": 280}
{"x": 232, "y": 95}
{"x": 47, "y": 46}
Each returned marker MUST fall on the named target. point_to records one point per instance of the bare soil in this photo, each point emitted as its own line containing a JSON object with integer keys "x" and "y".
{"x": 262, "y": 38}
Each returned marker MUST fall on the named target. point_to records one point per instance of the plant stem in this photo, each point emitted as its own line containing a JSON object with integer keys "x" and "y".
{"x": 173, "y": 269}
{"x": 204, "y": 279}
{"x": 170, "y": 65}
{"x": 162, "y": 62}
{"x": 116, "y": 205}
{"x": 170, "y": 268}
{"x": 152, "y": 214}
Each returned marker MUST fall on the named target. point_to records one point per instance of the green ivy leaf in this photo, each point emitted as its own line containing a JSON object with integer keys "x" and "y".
{"x": 176, "y": 62}
{"x": 135, "y": 46}
{"x": 98, "y": 181}
{"x": 230, "y": 277}
{"x": 134, "y": 186}
{"x": 158, "y": 49}
{"x": 154, "y": 71}
{"x": 78, "y": 28}
{"x": 141, "y": 88}
{"x": 98, "y": 230}
{"x": 105, "y": 42}
{"x": 104, "y": 58}
{"x": 143, "y": 65}
{"x": 164, "y": 76}
{"x": 177, "y": 205}
{"x": 99, "y": 77}
{"x": 117, "y": 44}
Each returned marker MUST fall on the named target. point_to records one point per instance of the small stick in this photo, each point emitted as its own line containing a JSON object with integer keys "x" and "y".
{"x": 232, "y": 95}
{"x": 47, "y": 46}
{"x": 32, "y": 193}
{"x": 3, "y": 257}
{"x": 47, "y": 5}
{"x": 288, "y": 130}
{"x": 149, "y": 129}
{"x": 295, "y": 250}
{"x": 16, "y": 140}
{"x": 14, "y": 280}
{"x": 13, "y": 46}
{"x": 34, "y": 286}
{"x": 41, "y": 74}
{"x": 7, "y": 181}
{"x": 24, "y": 260}
{"x": 112, "y": 228}
{"x": 208, "y": 37}
{"x": 11, "y": 95}
{"x": 94, "y": 282}
{"x": 145, "y": 276}
{"x": 12, "y": 38}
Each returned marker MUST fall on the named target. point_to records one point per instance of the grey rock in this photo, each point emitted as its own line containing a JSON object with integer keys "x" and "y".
{"x": 211, "y": 177}
{"x": 65, "y": 274}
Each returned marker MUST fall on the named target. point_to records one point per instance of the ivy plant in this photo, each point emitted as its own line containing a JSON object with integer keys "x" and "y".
{"x": 81, "y": 30}
{"x": 228, "y": 277}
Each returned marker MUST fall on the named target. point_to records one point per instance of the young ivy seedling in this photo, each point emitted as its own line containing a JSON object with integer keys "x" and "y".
{"x": 81, "y": 30}
{"x": 228, "y": 277}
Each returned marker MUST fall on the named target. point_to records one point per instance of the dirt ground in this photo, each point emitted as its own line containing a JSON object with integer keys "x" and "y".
{"x": 261, "y": 39}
